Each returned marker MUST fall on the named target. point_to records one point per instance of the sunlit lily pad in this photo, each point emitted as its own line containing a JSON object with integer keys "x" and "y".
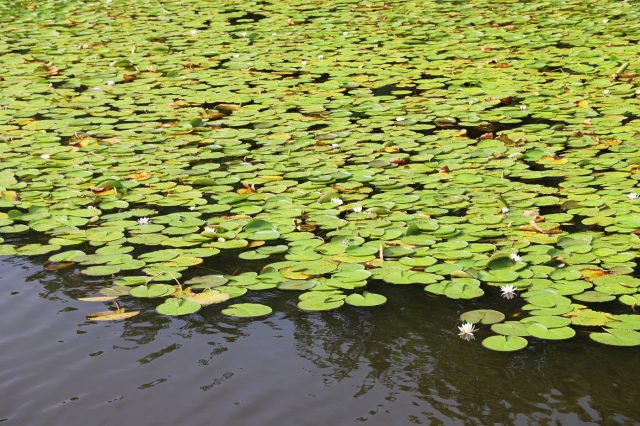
{"x": 365, "y": 299}
{"x": 505, "y": 343}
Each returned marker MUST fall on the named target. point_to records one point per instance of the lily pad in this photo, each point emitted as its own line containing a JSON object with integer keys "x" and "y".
{"x": 247, "y": 310}
{"x": 482, "y": 316}
{"x": 505, "y": 343}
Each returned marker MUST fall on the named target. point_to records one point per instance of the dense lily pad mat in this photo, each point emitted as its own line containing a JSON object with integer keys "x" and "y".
{"x": 455, "y": 145}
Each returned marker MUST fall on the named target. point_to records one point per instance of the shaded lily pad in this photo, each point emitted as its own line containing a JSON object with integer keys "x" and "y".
{"x": 247, "y": 310}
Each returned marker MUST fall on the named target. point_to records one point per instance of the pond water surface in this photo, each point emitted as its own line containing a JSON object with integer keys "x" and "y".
{"x": 400, "y": 363}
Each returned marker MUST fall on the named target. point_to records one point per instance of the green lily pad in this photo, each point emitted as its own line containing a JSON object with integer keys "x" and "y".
{"x": 365, "y": 299}
{"x": 617, "y": 337}
{"x": 505, "y": 343}
{"x": 153, "y": 290}
{"x": 246, "y": 310}
{"x": 482, "y": 316}
{"x": 175, "y": 307}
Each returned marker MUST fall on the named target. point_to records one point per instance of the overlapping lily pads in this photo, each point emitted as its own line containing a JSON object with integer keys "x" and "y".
{"x": 493, "y": 148}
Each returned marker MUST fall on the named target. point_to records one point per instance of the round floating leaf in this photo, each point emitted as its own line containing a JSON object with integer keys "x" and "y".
{"x": 207, "y": 281}
{"x": 365, "y": 299}
{"x": 247, "y": 310}
{"x": 617, "y": 337}
{"x": 297, "y": 285}
{"x": 540, "y": 331}
{"x": 320, "y": 301}
{"x": 208, "y": 297}
{"x": 505, "y": 343}
{"x": 153, "y": 290}
{"x": 593, "y": 297}
{"x": 101, "y": 270}
{"x": 482, "y": 316}
{"x": 548, "y": 321}
{"x": 510, "y": 328}
{"x": 175, "y": 307}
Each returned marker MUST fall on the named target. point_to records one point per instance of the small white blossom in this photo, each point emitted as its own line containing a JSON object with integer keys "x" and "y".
{"x": 508, "y": 291}
{"x": 335, "y": 146}
{"x": 236, "y": 55}
{"x": 320, "y": 56}
{"x": 633, "y": 195}
{"x": 357, "y": 209}
{"x": 304, "y": 63}
{"x": 45, "y": 156}
{"x": 504, "y": 210}
{"x": 84, "y": 46}
{"x": 144, "y": 221}
{"x": 192, "y": 208}
{"x": 605, "y": 20}
{"x": 466, "y": 331}
{"x": 110, "y": 83}
{"x": 193, "y": 32}
{"x": 401, "y": 118}
{"x": 221, "y": 240}
{"x": 561, "y": 265}
{"x": 92, "y": 207}
{"x": 337, "y": 201}
{"x": 210, "y": 229}
{"x": 515, "y": 257}
{"x": 345, "y": 33}
{"x": 606, "y": 91}
{"x": 523, "y": 107}
{"x": 243, "y": 34}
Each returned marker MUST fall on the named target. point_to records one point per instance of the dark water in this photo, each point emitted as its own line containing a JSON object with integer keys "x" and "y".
{"x": 394, "y": 365}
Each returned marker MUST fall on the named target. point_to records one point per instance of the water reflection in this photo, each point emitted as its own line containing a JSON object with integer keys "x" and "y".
{"x": 401, "y": 363}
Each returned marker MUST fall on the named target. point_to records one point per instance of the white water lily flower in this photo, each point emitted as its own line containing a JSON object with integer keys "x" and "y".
{"x": 144, "y": 221}
{"x": 45, "y": 156}
{"x": 193, "y": 32}
{"x": 605, "y": 20}
{"x": 192, "y": 208}
{"x": 523, "y": 107}
{"x": 515, "y": 257}
{"x": 243, "y": 34}
{"x": 504, "y": 210}
{"x": 110, "y": 83}
{"x": 606, "y": 92}
{"x": 633, "y": 195}
{"x": 304, "y": 63}
{"x": 357, "y": 209}
{"x": 508, "y": 291}
{"x": 466, "y": 331}
{"x": 210, "y": 229}
{"x": 337, "y": 201}
{"x": 320, "y": 56}
{"x": 92, "y": 207}
{"x": 401, "y": 118}
{"x": 335, "y": 146}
